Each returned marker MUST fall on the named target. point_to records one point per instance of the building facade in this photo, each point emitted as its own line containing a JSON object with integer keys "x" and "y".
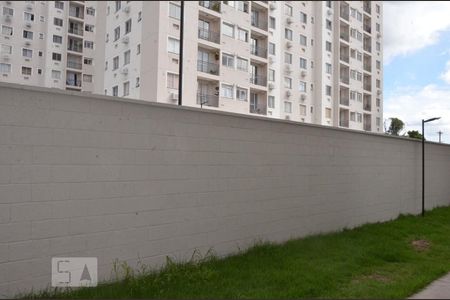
{"x": 49, "y": 43}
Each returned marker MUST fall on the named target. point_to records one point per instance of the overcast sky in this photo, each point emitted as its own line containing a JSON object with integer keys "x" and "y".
{"x": 417, "y": 64}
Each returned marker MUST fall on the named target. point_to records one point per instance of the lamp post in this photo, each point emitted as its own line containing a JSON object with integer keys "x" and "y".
{"x": 423, "y": 161}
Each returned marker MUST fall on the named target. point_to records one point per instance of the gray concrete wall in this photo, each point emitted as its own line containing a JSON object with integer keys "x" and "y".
{"x": 100, "y": 176}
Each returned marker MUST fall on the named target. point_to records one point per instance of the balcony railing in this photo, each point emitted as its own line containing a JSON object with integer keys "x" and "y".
{"x": 344, "y": 57}
{"x": 344, "y": 79}
{"x": 213, "y": 5}
{"x": 367, "y": 87}
{"x": 209, "y": 35}
{"x": 367, "y": 67}
{"x": 74, "y": 65}
{"x": 367, "y": 28}
{"x": 367, "y": 107}
{"x": 77, "y": 31}
{"x": 208, "y": 67}
{"x": 345, "y": 36}
{"x": 259, "y": 23}
{"x": 75, "y": 48}
{"x": 367, "y": 126}
{"x": 208, "y": 100}
{"x": 366, "y": 7}
{"x": 258, "y": 80}
{"x": 343, "y": 123}
{"x": 257, "y": 110}
{"x": 259, "y": 51}
{"x": 73, "y": 82}
{"x": 345, "y": 14}
{"x": 344, "y": 101}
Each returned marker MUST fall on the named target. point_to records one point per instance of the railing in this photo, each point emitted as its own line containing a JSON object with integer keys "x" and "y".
{"x": 73, "y": 82}
{"x": 367, "y": 87}
{"x": 367, "y": 67}
{"x": 344, "y": 101}
{"x": 345, "y": 13}
{"x": 76, "y": 31}
{"x": 367, "y": 47}
{"x": 258, "y": 80}
{"x": 344, "y": 79}
{"x": 74, "y": 65}
{"x": 208, "y": 67}
{"x": 76, "y": 15}
{"x": 213, "y": 5}
{"x": 367, "y": 28}
{"x": 367, "y": 106}
{"x": 259, "y": 51}
{"x": 367, "y": 126}
{"x": 344, "y": 58}
{"x": 257, "y": 110}
{"x": 75, "y": 48}
{"x": 209, "y": 35}
{"x": 344, "y": 36}
{"x": 343, "y": 123}
{"x": 259, "y": 23}
{"x": 208, "y": 100}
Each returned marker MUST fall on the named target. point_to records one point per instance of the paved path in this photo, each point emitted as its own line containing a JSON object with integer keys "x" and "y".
{"x": 439, "y": 289}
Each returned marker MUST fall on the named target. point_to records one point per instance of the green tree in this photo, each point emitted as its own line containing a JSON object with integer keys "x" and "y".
{"x": 414, "y": 134}
{"x": 396, "y": 126}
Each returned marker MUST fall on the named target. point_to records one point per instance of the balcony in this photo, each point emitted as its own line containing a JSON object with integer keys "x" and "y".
{"x": 75, "y": 47}
{"x": 75, "y": 30}
{"x": 73, "y": 79}
{"x": 344, "y": 10}
{"x": 344, "y": 95}
{"x": 208, "y": 67}
{"x": 344, "y": 32}
{"x": 367, "y": 43}
{"x": 367, "y": 24}
{"x": 258, "y": 51}
{"x": 344, "y": 74}
{"x": 367, "y": 83}
{"x": 212, "y": 5}
{"x": 258, "y": 80}
{"x": 344, "y": 53}
{"x": 207, "y": 100}
{"x": 259, "y": 16}
{"x": 367, "y": 63}
{"x": 76, "y": 12}
{"x": 344, "y": 118}
{"x": 258, "y": 103}
{"x": 259, "y": 24}
{"x": 209, "y": 35}
{"x": 367, "y": 7}
{"x": 74, "y": 64}
{"x": 367, "y": 122}
{"x": 367, "y": 102}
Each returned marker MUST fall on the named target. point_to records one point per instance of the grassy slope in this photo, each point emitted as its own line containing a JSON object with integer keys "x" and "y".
{"x": 372, "y": 261}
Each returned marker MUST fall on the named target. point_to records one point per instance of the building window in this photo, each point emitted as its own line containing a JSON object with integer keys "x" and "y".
{"x": 56, "y": 74}
{"x": 56, "y": 56}
{"x": 303, "y": 17}
{"x": 87, "y": 78}
{"x": 288, "y": 11}
{"x": 327, "y": 68}
{"x": 27, "y": 34}
{"x": 272, "y": 23}
{"x": 174, "y": 11}
{"x": 58, "y": 22}
{"x": 173, "y": 46}
{"x": 89, "y": 28}
{"x": 271, "y": 102}
{"x": 6, "y": 30}
{"x": 328, "y": 46}
{"x": 241, "y": 94}
{"x": 287, "y": 58}
{"x": 302, "y": 87}
{"x": 115, "y": 63}
{"x": 378, "y": 121}
{"x": 272, "y": 48}
{"x": 377, "y": 26}
{"x": 271, "y": 75}
{"x": 303, "y": 63}
{"x": 378, "y": 64}
{"x": 242, "y": 64}
{"x": 287, "y": 107}
{"x": 106, "y": 65}
{"x": 378, "y": 46}
{"x": 126, "y": 57}
{"x": 118, "y": 5}
{"x": 87, "y": 61}
{"x": 89, "y": 44}
{"x": 378, "y": 83}
{"x": 227, "y": 91}
{"x": 138, "y": 49}
{"x": 172, "y": 81}
{"x": 303, "y": 40}
{"x": 359, "y": 117}
{"x": 90, "y": 11}
{"x": 352, "y": 116}
{"x": 59, "y": 4}
{"x": 328, "y": 24}
{"x": 377, "y": 8}
{"x": 128, "y": 26}
{"x": 242, "y": 6}
{"x": 328, "y": 90}
{"x": 28, "y": 17}
{"x": 228, "y": 30}
{"x": 5, "y": 68}
{"x": 6, "y": 49}
{"x": 116, "y": 33}
{"x": 126, "y": 88}
{"x": 26, "y": 71}
{"x": 139, "y": 16}
{"x": 378, "y": 102}
{"x": 288, "y": 34}
{"x": 40, "y": 71}
{"x": 242, "y": 35}
{"x": 8, "y": 11}
{"x": 288, "y": 82}
{"x": 57, "y": 39}
{"x": 138, "y": 81}
{"x": 27, "y": 53}
{"x": 328, "y": 4}
{"x": 115, "y": 91}
{"x": 228, "y": 60}
{"x": 302, "y": 110}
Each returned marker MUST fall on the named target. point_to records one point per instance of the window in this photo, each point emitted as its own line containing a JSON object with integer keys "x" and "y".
{"x": 242, "y": 6}
{"x": 328, "y": 4}
{"x": 378, "y": 63}
{"x": 378, "y": 83}
{"x": 89, "y": 28}
{"x": 271, "y": 102}
{"x": 6, "y": 49}
{"x": 359, "y": 76}
{"x": 287, "y": 107}
{"x": 353, "y": 116}
{"x": 28, "y": 17}
{"x": 174, "y": 11}
{"x": 27, "y": 53}
{"x": 359, "y": 97}
{"x": 41, "y": 36}
{"x": 40, "y": 71}
{"x": 115, "y": 89}
{"x": 116, "y": 33}
{"x": 378, "y": 46}
{"x": 57, "y": 39}
{"x": 358, "y": 16}
{"x": 328, "y": 46}
{"x": 5, "y": 68}
{"x": 116, "y": 63}
{"x": 8, "y": 11}
{"x": 242, "y": 64}
{"x": 138, "y": 49}
{"x": 271, "y": 75}
{"x": 56, "y": 56}
{"x": 287, "y": 58}
{"x": 359, "y": 117}
{"x": 59, "y": 4}
{"x": 6, "y": 30}
{"x": 87, "y": 61}
{"x": 328, "y": 90}
{"x": 312, "y": 109}
{"x": 328, "y": 24}
{"x": 138, "y": 81}
{"x": 57, "y": 22}
{"x": 228, "y": 60}
{"x": 378, "y": 102}
{"x": 26, "y": 71}
{"x": 272, "y": 48}
{"x": 227, "y": 91}
{"x": 272, "y": 23}
{"x": 288, "y": 34}
{"x": 288, "y": 10}
{"x": 241, "y": 94}
{"x": 228, "y": 30}
{"x": 302, "y": 110}
{"x": 139, "y": 16}
{"x": 126, "y": 57}
{"x": 173, "y": 46}
{"x": 303, "y": 63}
{"x": 358, "y": 55}
{"x": 27, "y": 34}
{"x": 378, "y": 121}
{"x": 288, "y": 82}
{"x": 90, "y": 11}
{"x": 89, "y": 44}
{"x": 302, "y": 87}
{"x": 303, "y": 18}
{"x": 126, "y": 88}
{"x": 377, "y": 8}
{"x": 128, "y": 26}
{"x": 328, "y": 68}
{"x": 118, "y": 5}
{"x": 303, "y": 40}
{"x": 242, "y": 35}
{"x": 377, "y": 26}
{"x": 87, "y": 78}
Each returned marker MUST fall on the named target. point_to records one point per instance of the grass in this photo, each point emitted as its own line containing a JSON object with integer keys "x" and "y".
{"x": 372, "y": 261}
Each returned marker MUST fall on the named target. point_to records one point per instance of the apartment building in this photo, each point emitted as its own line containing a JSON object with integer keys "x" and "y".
{"x": 49, "y": 43}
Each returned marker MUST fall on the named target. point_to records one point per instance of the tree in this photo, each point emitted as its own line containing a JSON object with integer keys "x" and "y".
{"x": 414, "y": 134}
{"x": 396, "y": 126}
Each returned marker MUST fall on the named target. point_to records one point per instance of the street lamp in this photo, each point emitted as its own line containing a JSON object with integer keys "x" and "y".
{"x": 423, "y": 161}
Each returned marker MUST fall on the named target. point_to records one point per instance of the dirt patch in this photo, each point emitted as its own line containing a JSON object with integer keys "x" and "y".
{"x": 373, "y": 277}
{"x": 421, "y": 245}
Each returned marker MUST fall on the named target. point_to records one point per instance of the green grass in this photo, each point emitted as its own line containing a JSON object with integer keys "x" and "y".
{"x": 372, "y": 261}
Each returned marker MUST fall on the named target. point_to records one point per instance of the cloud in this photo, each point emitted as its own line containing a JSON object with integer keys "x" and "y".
{"x": 413, "y": 25}
{"x": 446, "y": 75}
{"x": 411, "y": 105}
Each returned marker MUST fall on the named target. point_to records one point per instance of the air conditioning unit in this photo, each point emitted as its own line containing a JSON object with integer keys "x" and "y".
{"x": 271, "y": 59}
{"x": 27, "y": 43}
{"x": 174, "y": 96}
{"x": 303, "y": 97}
{"x": 289, "y": 20}
{"x": 288, "y": 93}
{"x": 271, "y": 86}
{"x": 125, "y": 39}
{"x": 126, "y": 9}
{"x": 28, "y": 24}
{"x": 288, "y": 69}
{"x": 124, "y": 71}
{"x": 273, "y": 6}
{"x": 29, "y": 6}
{"x": 303, "y": 73}
{"x": 289, "y": 44}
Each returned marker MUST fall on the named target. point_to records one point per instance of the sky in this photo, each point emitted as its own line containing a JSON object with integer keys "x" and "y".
{"x": 417, "y": 65}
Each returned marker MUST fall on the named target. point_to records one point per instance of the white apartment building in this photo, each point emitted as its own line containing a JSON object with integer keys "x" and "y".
{"x": 49, "y": 43}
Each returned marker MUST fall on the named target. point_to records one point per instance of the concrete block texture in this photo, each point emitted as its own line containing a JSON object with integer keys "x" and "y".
{"x": 87, "y": 175}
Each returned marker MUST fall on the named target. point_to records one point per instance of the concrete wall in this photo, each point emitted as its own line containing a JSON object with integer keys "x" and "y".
{"x": 100, "y": 176}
